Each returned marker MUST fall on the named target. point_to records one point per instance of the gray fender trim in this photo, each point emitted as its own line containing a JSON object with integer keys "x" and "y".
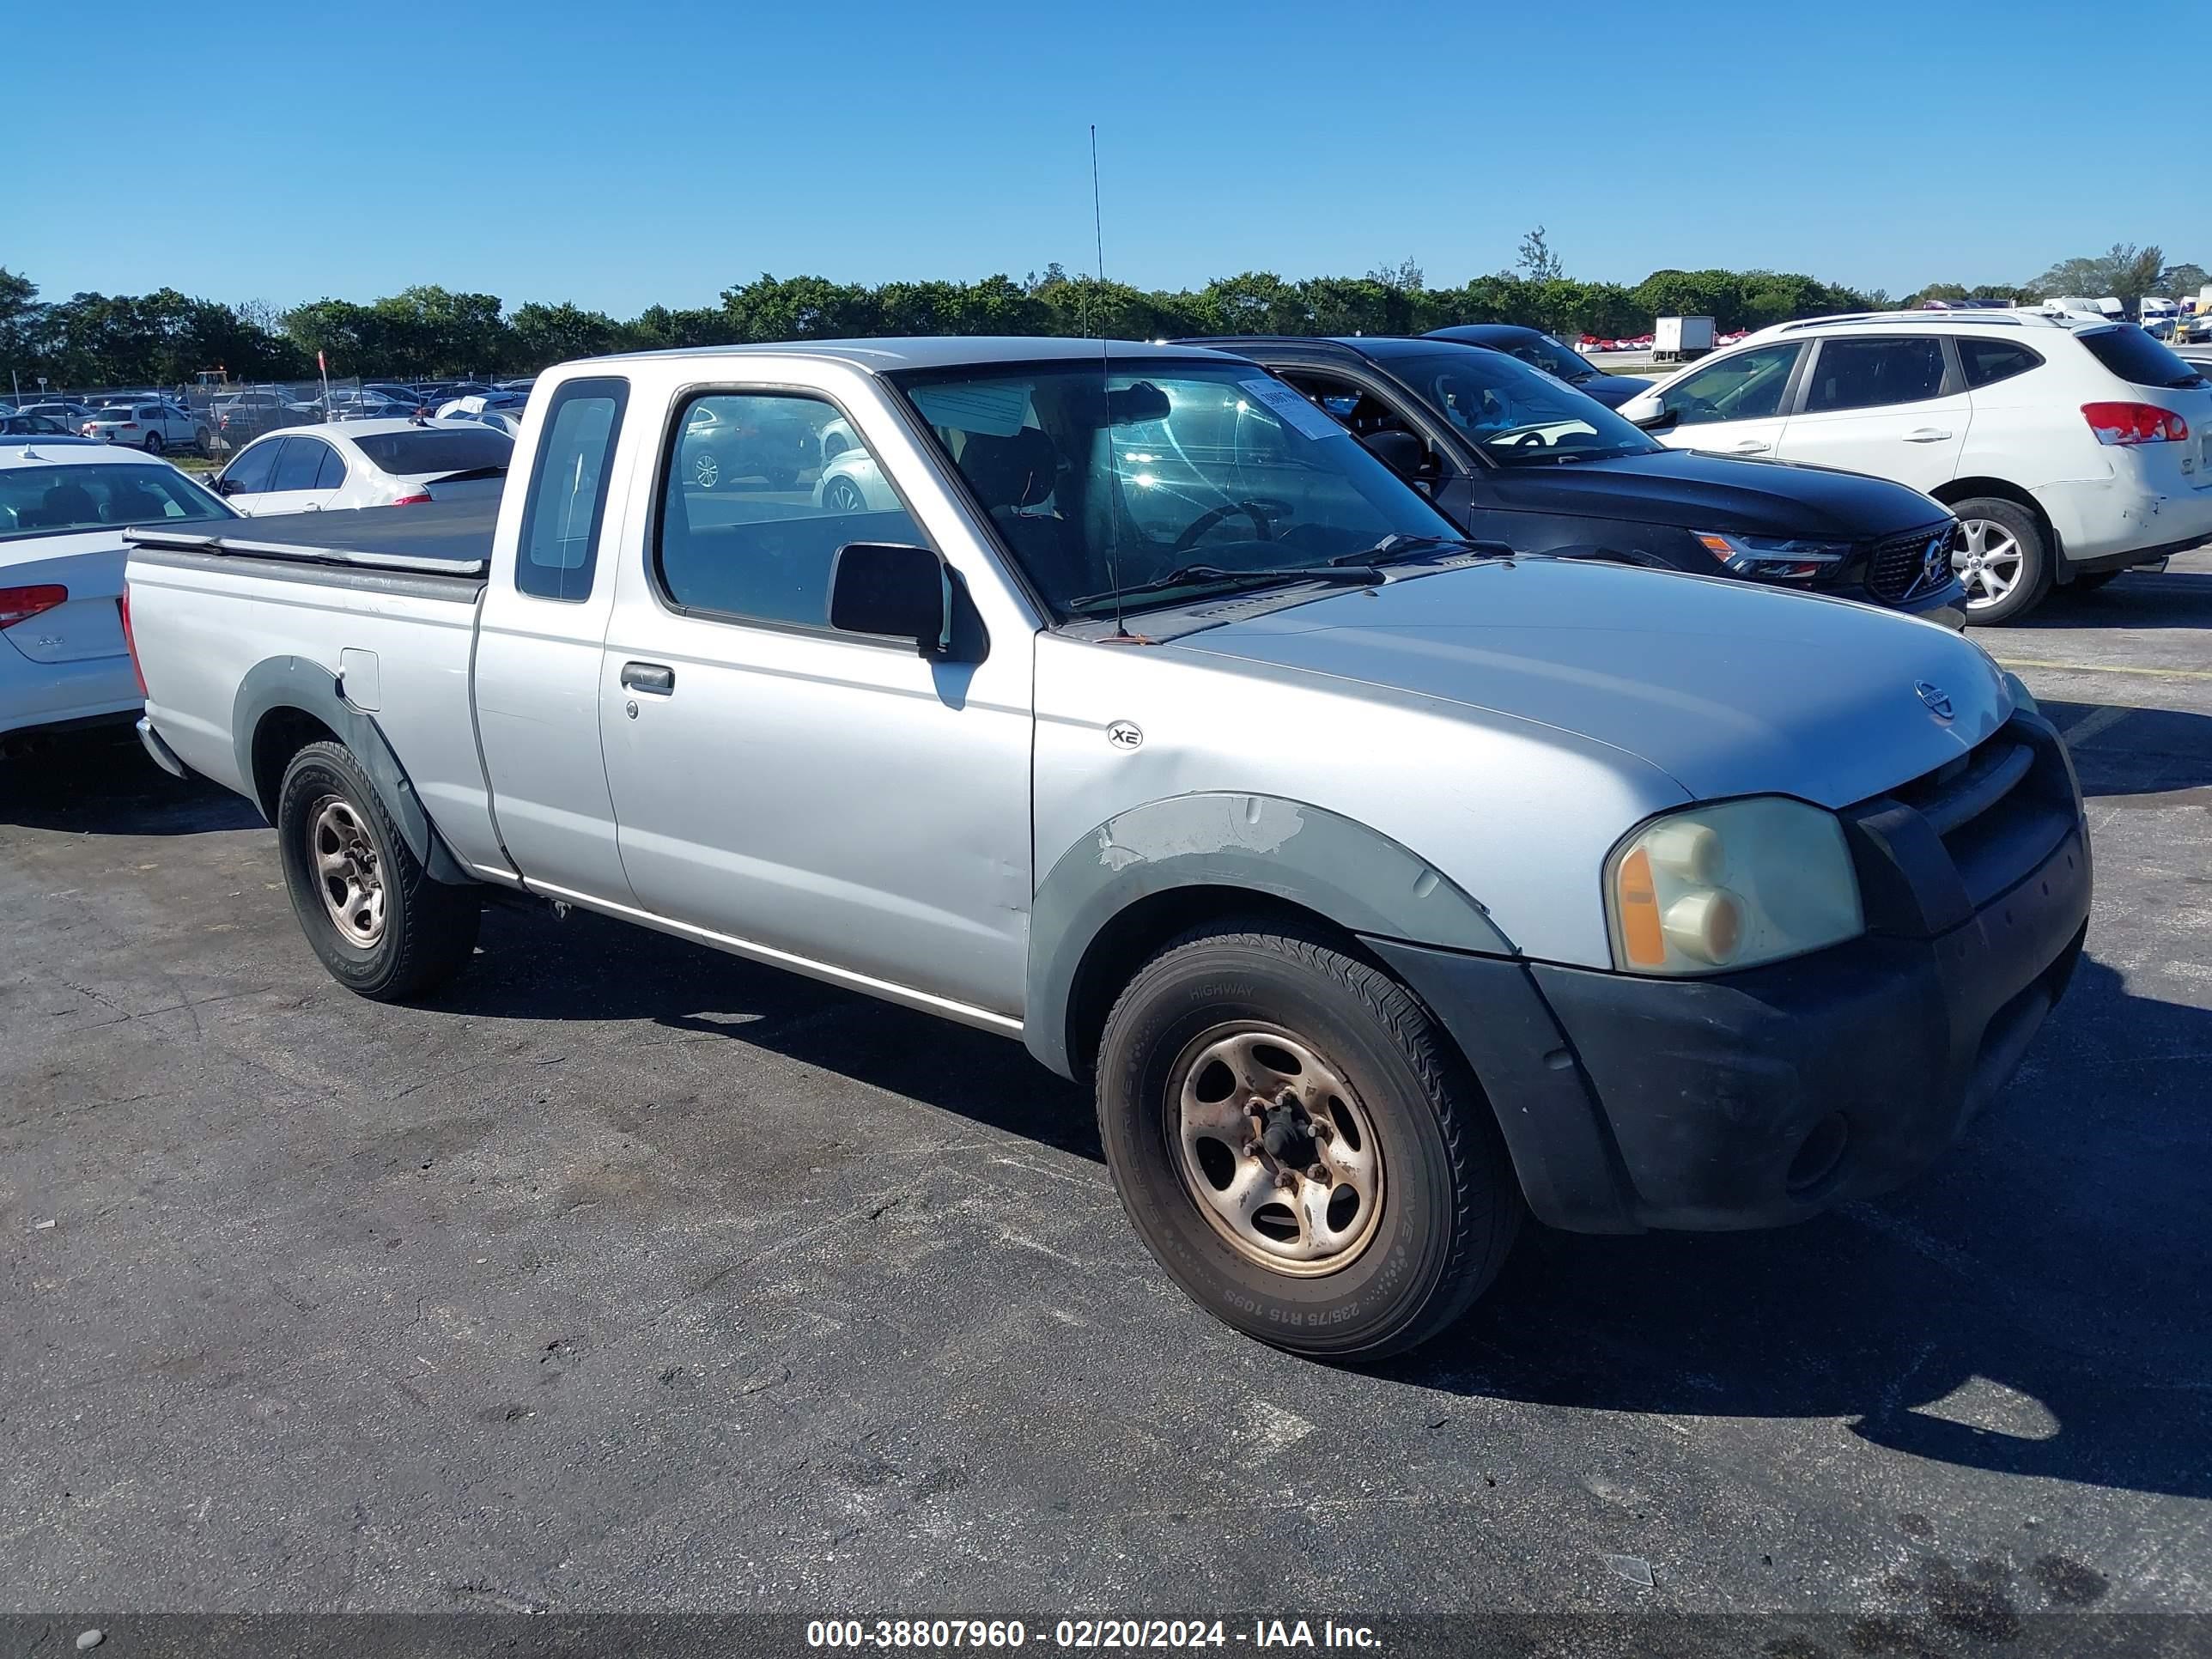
{"x": 1357, "y": 878}
{"x": 296, "y": 683}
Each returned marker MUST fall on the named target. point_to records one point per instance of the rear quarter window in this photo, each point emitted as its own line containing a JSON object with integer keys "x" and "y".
{"x": 1988, "y": 361}
{"x": 2136, "y": 358}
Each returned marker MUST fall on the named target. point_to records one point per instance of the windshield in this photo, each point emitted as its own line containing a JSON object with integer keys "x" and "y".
{"x": 50, "y": 499}
{"x": 437, "y": 449}
{"x": 1514, "y": 415}
{"x": 1179, "y": 463}
{"x": 1555, "y": 357}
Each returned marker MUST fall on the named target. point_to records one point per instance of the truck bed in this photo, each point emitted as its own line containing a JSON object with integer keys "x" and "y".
{"x": 443, "y": 538}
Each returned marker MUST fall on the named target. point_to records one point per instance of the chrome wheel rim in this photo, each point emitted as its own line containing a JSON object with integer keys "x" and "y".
{"x": 705, "y": 471}
{"x": 1990, "y": 562}
{"x": 347, "y": 874}
{"x": 1276, "y": 1150}
{"x": 844, "y": 497}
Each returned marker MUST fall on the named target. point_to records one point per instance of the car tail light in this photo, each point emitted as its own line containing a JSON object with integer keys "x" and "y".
{"x": 416, "y": 499}
{"x": 130, "y": 640}
{"x": 21, "y": 604}
{"x": 2134, "y": 423}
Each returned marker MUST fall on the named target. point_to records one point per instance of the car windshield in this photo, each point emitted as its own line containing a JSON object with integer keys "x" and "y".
{"x": 1106, "y": 477}
{"x": 50, "y": 500}
{"x": 427, "y": 449}
{"x": 1515, "y": 415}
{"x": 1555, "y": 357}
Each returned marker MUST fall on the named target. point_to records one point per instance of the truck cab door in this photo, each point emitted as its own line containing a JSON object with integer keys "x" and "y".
{"x": 835, "y": 803}
{"x": 539, "y": 645}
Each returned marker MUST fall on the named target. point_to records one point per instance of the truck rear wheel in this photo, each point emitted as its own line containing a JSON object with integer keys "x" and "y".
{"x": 1294, "y": 1140}
{"x": 382, "y": 925}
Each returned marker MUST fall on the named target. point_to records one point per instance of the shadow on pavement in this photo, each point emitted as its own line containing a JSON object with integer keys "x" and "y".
{"x": 2136, "y": 599}
{"x": 2120, "y": 752}
{"x": 2035, "y": 1305}
{"x": 103, "y": 784}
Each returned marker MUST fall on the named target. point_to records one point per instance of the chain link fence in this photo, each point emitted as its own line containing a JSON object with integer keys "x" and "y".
{"x": 216, "y": 416}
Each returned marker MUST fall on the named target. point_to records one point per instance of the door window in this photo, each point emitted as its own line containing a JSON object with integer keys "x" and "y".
{"x": 750, "y": 519}
{"x": 299, "y": 461}
{"x": 568, "y": 504}
{"x": 333, "y": 472}
{"x": 250, "y": 473}
{"x": 1873, "y": 374}
{"x": 1747, "y": 385}
{"x": 1988, "y": 361}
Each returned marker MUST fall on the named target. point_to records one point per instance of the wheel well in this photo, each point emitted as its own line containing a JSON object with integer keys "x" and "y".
{"x": 1134, "y": 935}
{"x": 1961, "y": 490}
{"x": 282, "y": 733}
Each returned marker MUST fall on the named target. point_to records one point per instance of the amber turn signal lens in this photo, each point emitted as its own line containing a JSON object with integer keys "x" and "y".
{"x": 1641, "y": 935}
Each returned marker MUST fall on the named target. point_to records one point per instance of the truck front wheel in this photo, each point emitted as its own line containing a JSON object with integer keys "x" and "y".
{"x": 383, "y": 926}
{"x": 1294, "y": 1140}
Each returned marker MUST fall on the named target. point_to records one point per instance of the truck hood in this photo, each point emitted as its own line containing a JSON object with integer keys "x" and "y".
{"x": 1729, "y": 689}
{"x": 1689, "y": 490}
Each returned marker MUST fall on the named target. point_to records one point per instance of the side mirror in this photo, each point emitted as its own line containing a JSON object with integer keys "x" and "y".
{"x": 905, "y": 592}
{"x": 223, "y": 486}
{"x": 1401, "y": 451}
{"x": 1657, "y": 420}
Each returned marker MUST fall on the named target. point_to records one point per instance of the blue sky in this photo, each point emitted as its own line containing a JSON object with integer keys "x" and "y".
{"x": 619, "y": 155}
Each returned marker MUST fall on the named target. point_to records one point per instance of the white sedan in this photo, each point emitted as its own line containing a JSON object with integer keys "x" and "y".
{"x": 63, "y": 661}
{"x": 342, "y": 463}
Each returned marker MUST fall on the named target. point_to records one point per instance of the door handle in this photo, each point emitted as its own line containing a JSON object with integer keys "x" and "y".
{"x": 1749, "y": 446}
{"x": 648, "y": 677}
{"x": 1926, "y": 434}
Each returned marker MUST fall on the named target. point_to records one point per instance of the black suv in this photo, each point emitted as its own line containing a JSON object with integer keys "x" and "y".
{"x": 1510, "y": 455}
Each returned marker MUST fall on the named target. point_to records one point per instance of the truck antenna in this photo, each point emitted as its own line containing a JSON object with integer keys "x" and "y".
{"x": 1105, "y": 401}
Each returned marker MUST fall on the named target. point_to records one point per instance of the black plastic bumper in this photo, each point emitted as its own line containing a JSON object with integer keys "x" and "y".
{"x": 1761, "y": 1097}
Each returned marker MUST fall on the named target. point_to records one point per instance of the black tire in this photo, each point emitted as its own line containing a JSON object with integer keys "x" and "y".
{"x": 2090, "y": 580}
{"x": 844, "y": 497}
{"x": 153, "y": 443}
{"x": 2034, "y": 579}
{"x": 780, "y": 477}
{"x": 1449, "y": 1205}
{"x": 428, "y": 928}
{"x": 203, "y": 442}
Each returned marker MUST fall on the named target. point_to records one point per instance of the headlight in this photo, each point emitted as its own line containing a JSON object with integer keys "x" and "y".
{"x": 1776, "y": 557}
{"x": 1730, "y": 885}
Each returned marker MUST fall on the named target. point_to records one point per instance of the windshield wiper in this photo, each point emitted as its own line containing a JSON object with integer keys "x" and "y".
{"x": 1214, "y": 577}
{"x": 1403, "y": 549}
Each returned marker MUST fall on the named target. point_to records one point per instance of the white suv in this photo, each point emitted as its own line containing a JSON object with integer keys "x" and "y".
{"x": 2071, "y": 451}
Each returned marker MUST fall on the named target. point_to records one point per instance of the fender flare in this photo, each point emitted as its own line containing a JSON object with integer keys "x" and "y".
{"x": 1357, "y": 877}
{"x": 298, "y": 683}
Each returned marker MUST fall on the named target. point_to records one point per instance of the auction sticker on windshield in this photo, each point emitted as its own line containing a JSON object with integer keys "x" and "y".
{"x": 1293, "y": 408}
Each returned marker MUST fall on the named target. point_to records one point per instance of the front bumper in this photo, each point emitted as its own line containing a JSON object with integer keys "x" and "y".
{"x": 1764, "y": 1097}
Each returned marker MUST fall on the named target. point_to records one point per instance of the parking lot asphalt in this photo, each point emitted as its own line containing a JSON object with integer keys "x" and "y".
{"x": 625, "y": 1275}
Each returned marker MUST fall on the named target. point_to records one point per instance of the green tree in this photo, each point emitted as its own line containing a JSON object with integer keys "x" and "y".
{"x": 2124, "y": 271}
{"x": 2174, "y": 283}
{"x": 1536, "y": 260}
{"x": 542, "y": 335}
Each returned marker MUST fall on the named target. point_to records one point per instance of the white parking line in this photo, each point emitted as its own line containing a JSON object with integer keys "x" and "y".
{"x": 2107, "y": 668}
{"x": 2096, "y": 721}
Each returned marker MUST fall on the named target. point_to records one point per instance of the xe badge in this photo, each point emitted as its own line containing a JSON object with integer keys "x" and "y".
{"x": 1937, "y": 699}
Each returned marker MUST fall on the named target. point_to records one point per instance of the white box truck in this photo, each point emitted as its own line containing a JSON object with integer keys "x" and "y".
{"x": 1678, "y": 339}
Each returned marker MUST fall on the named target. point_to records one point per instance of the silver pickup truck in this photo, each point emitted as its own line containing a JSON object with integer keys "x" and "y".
{"x": 1115, "y": 700}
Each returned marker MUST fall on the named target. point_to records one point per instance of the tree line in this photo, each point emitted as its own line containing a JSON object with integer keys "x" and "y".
{"x": 166, "y": 337}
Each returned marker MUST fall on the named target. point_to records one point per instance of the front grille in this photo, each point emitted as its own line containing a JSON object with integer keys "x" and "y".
{"x": 1999, "y": 810}
{"x": 1895, "y": 566}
